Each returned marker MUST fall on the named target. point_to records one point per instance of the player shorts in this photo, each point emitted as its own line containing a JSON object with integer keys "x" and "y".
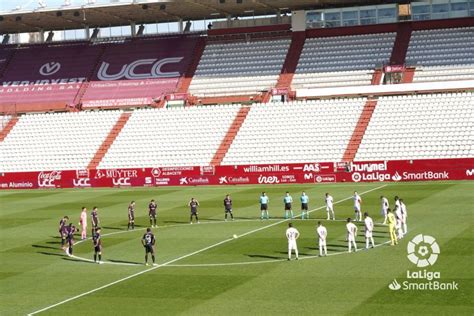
{"x": 98, "y": 248}
{"x": 149, "y": 249}
{"x": 329, "y": 208}
{"x": 263, "y": 207}
{"x": 292, "y": 245}
{"x": 304, "y": 206}
{"x": 350, "y": 238}
{"x": 228, "y": 210}
{"x": 194, "y": 212}
{"x": 383, "y": 212}
{"x": 287, "y": 206}
{"x": 357, "y": 209}
{"x": 152, "y": 215}
{"x": 322, "y": 242}
{"x": 368, "y": 234}
{"x": 63, "y": 241}
{"x": 131, "y": 217}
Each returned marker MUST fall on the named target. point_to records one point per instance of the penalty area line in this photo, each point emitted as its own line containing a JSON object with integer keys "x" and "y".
{"x": 181, "y": 257}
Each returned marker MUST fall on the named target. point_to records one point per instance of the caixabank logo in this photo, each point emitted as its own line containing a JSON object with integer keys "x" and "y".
{"x": 423, "y": 251}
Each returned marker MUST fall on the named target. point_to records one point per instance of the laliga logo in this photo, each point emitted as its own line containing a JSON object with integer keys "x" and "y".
{"x": 121, "y": 181}
{"x": 46, "y": 179}
{"x": 268, "y": 180}
{"x": 49, "y": 69}
{"x": 427, "y": 253}
{"x": 356, "y": 177}
{"x": 223, "y": 180}
{"x": 128, "y": 71}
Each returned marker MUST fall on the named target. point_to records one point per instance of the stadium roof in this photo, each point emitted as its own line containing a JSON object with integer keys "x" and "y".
{"x": 142, "y": 11}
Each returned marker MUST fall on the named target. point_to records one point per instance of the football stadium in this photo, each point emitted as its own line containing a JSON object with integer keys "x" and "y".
{"x": 236, "y": 157}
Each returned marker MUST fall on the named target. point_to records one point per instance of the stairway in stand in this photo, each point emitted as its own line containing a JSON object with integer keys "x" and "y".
{"x": 359, "y": 131}
{"x": 109, "y": 140}
{"x": 230, "y": 136}
{"x": 185, "y": 81}
{"x": 8, "y": 127}
{"x": 291, "y": 60}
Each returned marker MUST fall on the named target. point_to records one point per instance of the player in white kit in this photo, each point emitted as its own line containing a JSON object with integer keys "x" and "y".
{"x": 292, "y": 234}
{"x": 357, "y": 201}
{"x": 403, "y": 208}
{"x": 330, "y": 206}
{"x": 322, "y": 234}
{"x": 385, "y": 206}
{"x": 369, "y": 228}
{"x": 399, "y": 223}
{"x": 351, "y": 234}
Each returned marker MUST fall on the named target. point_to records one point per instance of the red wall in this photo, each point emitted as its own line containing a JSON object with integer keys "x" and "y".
{"x": 389, "y": 171}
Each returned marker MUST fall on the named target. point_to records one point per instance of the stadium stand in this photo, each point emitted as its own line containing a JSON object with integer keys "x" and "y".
{"x": 420, "y": 127}
{"x": 295, "y": 132}
{"x": 442, "y": 54}
{"x": 170, "y": 137}
{"x": 239, "y": 68}
{"x": 47, "y": 76}
{"x": 57, "y": 141}
{"x": 126, "y": 75}
{"x": 342, "y": 60}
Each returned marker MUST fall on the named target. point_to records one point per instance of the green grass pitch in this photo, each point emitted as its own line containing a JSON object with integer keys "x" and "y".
{"x": 205, "y": 271}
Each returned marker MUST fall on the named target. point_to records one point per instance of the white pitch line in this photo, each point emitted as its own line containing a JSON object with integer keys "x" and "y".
{"x": 182, "y": 257}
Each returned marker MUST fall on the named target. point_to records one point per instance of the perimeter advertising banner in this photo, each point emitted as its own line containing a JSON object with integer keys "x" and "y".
{"x": 389, "y": 171}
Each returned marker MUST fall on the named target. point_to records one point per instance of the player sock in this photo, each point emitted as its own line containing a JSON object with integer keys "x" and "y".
{"x": 153, "y": 258}
{"x": 95, "y": 257}
{"x": 133, "y": 225}
{"x": 373, "y": 244}
{"x": 291, "y": 212}
{"x": 350, "y": 246}
{"x": 289, "y": 254}
{"x": 70, "y": 251}
{"x": 296, "y": 253}
{"x": 232, "y": 216}
{"x": 100, "y": 257}
{"x": 128, "y": 226}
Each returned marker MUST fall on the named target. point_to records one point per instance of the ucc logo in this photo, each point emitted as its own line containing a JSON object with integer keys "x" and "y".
{"x": 128, "y": 71}
{"x": 49, "y": 69}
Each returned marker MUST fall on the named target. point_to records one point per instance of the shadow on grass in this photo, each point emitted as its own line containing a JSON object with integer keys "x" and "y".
{"x": 264, "y": 256}
{"x": 124, "y": 261}
{"x": 78, "y": 260}
{"x": 45, "y": 247}
{"x": 114, "y": 228}
{"x": 52, "y": 254}
{"x": 54, "y": 242}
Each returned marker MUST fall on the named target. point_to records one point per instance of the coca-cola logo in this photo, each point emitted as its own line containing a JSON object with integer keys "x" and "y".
{"x": 128, "y": 70}
{"x": 47, "y": 179}
{"x": 268, "y": 179}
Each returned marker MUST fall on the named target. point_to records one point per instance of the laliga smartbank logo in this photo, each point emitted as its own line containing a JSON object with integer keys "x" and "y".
{"x": 423, "y": 251}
